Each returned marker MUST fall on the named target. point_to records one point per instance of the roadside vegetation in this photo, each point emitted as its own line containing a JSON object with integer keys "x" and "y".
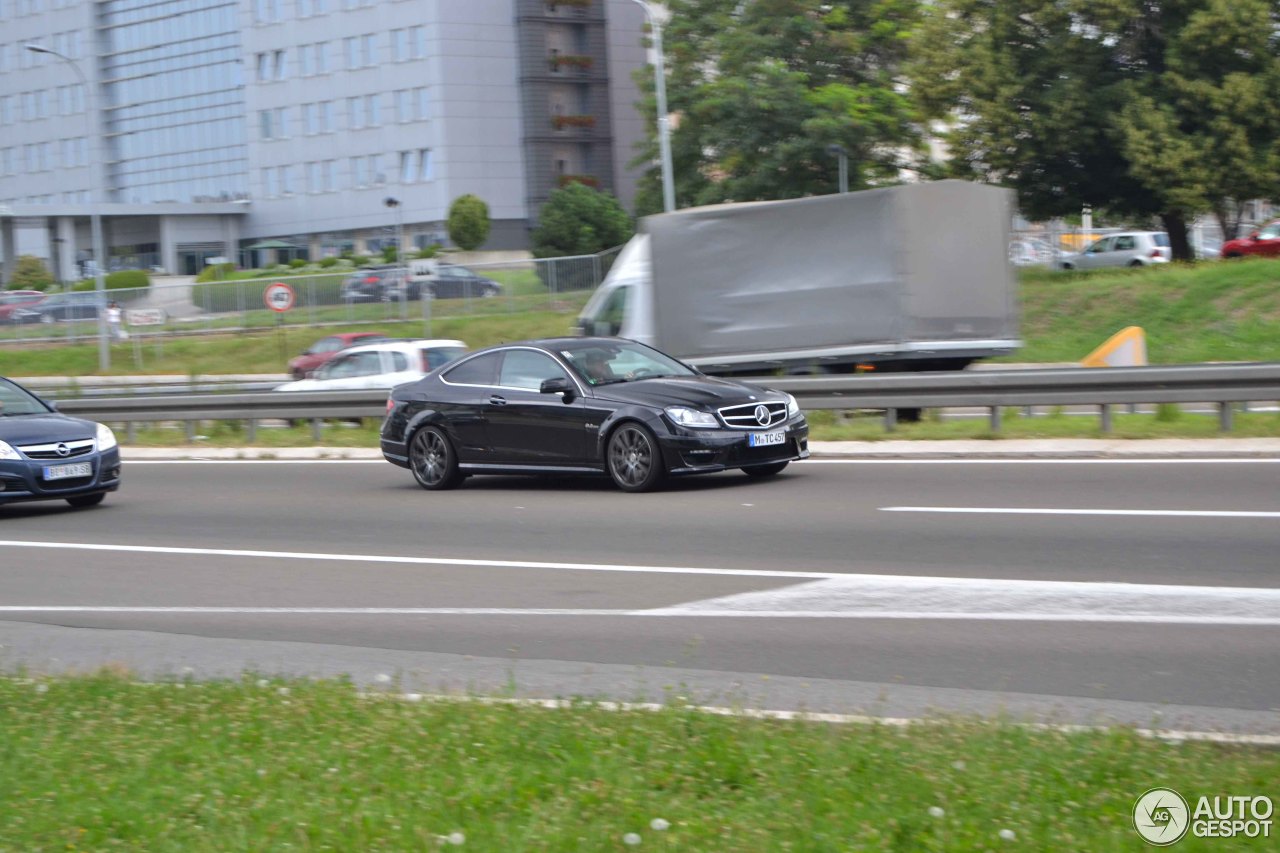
{"x": 104, "y": 762}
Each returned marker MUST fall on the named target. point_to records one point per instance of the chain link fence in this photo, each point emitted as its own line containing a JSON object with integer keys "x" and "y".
{"x": 168, "y": 308}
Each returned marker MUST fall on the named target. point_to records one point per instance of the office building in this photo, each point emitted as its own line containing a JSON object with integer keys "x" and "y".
{"x": 324, "y": 125}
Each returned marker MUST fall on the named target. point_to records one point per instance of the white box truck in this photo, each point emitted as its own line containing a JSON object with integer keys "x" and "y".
{"x": 912, "y": 277}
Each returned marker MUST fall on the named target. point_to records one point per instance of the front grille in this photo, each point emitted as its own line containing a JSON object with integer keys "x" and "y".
{"x": 747, "y": 416}
{"x": 50, "y": 451}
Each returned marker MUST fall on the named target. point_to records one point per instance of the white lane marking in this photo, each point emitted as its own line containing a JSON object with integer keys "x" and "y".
{"x": 1157, "y": 513}
{"x": 416, "y": 561}
{"x": 810, "y": 461}
{"x": 667, "y": 613}
{"x": 904, "y": 597}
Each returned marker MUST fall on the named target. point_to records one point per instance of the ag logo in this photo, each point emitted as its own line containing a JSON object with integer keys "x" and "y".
{"x": 1161, "y": 816}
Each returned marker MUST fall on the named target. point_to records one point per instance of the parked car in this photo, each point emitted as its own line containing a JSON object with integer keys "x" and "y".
{"x": 70, "y": 305}
{"x": 326, "y": 348}
{"x": 378, "y": 284}
{"x": 13, "y": 300}
{"x": 381, "y": 365}
{"x": 48, "y": 456}
{"x": 586, "y": 406}
{"x": 1264, "y": 242}
{"x": 453, "y": 281}
{"x": 1030, "y": 252}
{"x": 1129, "y": 249}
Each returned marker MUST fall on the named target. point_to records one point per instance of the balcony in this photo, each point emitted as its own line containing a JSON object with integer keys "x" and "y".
{"x": 579, "y": 62}
{"x": 585, "y": 122}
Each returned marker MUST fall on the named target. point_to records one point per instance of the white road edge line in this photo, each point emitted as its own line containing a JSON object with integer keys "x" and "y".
{"x": 659, "y": 613}
{"x": 1157, "y": 513}
{"x": 1022, "y": 460}
{"x": 1171, "y": 735}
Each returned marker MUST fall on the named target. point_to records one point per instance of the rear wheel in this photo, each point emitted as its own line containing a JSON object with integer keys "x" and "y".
{"x": 1136, "y": 264}
{"x": 764, "y": 470}
{"x": 432, "y": 460}
{"x": 635, "y": 462}
{"x": 86, "y": 500}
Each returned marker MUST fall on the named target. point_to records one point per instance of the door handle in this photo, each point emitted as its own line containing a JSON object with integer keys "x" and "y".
{"x": 498, "y": 401}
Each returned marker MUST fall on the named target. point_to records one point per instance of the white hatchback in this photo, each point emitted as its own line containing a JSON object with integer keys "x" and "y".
{"x": 381, "y": 365}
{"x": 1129, "y": 249}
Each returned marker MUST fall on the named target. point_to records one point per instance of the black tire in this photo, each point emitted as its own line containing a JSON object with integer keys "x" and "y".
{"x": 1068, "y": 267}
{"x": 433, "y": 461}
{"x": 86, "y": 500}
{"x": 765, "y": 470}
{"x": 634, "y": 459}
{"x": 1133, "y": 264}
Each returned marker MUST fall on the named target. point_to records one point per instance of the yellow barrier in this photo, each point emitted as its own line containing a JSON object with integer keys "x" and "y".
{"x": 1126, "y": 348}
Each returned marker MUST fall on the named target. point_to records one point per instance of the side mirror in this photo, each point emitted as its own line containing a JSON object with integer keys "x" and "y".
{"x": 557, "y": 385}
{"x": 1253, "y": 236}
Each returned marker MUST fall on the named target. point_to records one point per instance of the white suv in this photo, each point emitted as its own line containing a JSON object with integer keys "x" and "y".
{"x": 1127, "y": 249}
{"x": 381, "y": 365}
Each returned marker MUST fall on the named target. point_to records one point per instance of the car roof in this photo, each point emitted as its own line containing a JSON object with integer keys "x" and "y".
{"x": 403, "y": 345}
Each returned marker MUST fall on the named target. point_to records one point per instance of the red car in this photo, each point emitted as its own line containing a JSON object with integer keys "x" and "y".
{"x": 12, "y": 300}
{"x": 1264, "y": 243}
{"x": 326, "y": 348}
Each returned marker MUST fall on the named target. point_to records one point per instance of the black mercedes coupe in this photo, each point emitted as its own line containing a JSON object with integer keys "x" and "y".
{"x": 586, "y": 406}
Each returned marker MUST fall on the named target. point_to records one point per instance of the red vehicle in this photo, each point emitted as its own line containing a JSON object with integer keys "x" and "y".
{"x": 12, "y": 300}
{"x": 326, "y": 348}
{"x": 1264, "y": 243}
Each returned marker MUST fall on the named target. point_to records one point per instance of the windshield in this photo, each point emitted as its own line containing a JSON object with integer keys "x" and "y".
{"x": 16, "y": 401}
{"x": 605, "y": 362}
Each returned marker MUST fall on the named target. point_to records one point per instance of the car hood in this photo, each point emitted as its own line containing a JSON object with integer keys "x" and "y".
{"x": 40, "y": 429}
{"x": 697, "y": 391}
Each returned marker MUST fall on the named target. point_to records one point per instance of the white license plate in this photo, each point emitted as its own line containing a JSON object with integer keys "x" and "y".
{"x": 62, "y": 472}
{"x": 764, "y": 439}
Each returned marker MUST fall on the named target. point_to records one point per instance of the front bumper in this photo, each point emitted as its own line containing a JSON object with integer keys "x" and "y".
{"x": 23, "y": 479}
{"x": 690, "y": 451}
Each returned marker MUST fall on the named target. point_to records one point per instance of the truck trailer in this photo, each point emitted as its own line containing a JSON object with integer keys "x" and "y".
{"x": 904, "y": 278}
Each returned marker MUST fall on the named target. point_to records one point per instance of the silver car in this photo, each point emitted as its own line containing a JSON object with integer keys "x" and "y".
{"x": 1127, "y": 249}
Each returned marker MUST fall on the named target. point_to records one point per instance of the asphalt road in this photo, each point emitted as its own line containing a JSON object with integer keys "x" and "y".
{"x": 1082, "y": 591}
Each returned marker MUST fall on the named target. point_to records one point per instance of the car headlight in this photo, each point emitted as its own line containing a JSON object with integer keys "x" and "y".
{"x": 687, "y": 417}
{"x": 7, "y": 452}
{"x": 793, "y": 408}
{"x": 106, "y": 438}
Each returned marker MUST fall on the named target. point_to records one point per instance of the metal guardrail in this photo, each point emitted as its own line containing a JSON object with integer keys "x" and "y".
{"x": 1223, "y": 385}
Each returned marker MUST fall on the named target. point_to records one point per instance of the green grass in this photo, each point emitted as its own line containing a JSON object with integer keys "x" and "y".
{"x": 103, "y": 763}
{"x": 1216, "y": 311}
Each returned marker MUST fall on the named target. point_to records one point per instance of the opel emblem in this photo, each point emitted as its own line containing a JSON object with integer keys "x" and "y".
{"x": 762, "y": 415}
{"x": 62, "y": 450}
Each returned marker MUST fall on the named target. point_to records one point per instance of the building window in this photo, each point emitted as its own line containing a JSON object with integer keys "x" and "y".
{"x": 424, "y": 164}
{"x": 314, "y": 182}
{"x": 373, "y": 109}
{"x": 399, "y": 45}
{"x": 326, "y": 116}
{"x": 330, "y": 170}
{"x": 278, "y": 64}
{"x": 351, "y": 46}
{"x": 355, "y": 113}
{"x": 374, "y": 164}
{"x": 406, "y": 167}
{"x": 358, "y": 176}
{"x": 421, "y": 103}
{"x": 264, "y": 67}
{"x": 369, "y": 50}
{"x": 417, "y": 42}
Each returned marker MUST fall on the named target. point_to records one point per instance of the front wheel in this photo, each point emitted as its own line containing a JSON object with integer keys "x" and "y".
{"x": 764, "y": 470}
{"x": 635, "y": 462}
{"x": 86, "y": 500}
{"x": 432, "y": 460}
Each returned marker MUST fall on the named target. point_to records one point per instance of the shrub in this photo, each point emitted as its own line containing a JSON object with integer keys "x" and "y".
{"x": 468, "y": 222}
{"x": 30, "y": 273}
{"x": 428, "y": 251}
{"x": 328, "y": 262}
{"x": 298, "y": 263}
{"x": 216, "y": 273}
{"x": 128, "y": 279}
{"x": 361, "y": 260}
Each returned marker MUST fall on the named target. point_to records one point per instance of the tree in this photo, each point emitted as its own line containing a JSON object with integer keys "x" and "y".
{"x": 30, "y": 273}
{"x": 577, "y": 220}
{"x": 468, "y": 222}
{"x": 1143, "y": 108}
{"x": 761, "y": 88}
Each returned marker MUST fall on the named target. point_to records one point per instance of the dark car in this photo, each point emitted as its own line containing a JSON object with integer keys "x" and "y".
{"x": 378, "y": 284}
{"x": 12, "y": 301}
{"x": 71, "y": 305}
{"x": 326, "y": 348}
{"x": 1263, "y": 243}
{"x": 47, "y": 456}
{"x": 453, "y": 281}
{"x": 586, "y": 406}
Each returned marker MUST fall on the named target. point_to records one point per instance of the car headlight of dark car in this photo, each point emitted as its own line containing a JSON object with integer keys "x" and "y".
{"x": 686, "y": 417}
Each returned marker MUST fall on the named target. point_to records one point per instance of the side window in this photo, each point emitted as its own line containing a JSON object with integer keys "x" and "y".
{"x": 398, "y": 362}
{"x": 613, "y": 313}
{"x": 340, "y": 367}
{"x": 433, "y": 358}
{"x": 481, "y": 370}
{"x": 1103, "y": 245}
{"x": 1124, "y": 243}
{"x": 528, "y": 369}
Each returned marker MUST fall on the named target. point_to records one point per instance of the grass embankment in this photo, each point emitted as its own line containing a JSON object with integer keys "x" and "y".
{"x": 103, "y": 763}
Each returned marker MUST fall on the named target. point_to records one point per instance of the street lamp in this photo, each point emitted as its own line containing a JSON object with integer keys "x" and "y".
{"x": 664, "y": 125}
{"x": 394, "y": 204}
{"x": 95, "y": 218}
{"x": 843, "y": 156}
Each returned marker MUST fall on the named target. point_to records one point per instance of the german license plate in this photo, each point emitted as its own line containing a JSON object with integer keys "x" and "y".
{"x": 63, "y": 472}
{"x": 764, "y": 439}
